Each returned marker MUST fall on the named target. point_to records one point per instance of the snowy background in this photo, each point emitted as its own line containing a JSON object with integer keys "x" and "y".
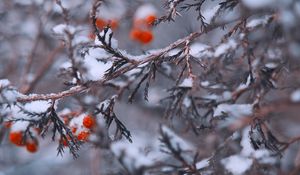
{"x": 40, "y": 47}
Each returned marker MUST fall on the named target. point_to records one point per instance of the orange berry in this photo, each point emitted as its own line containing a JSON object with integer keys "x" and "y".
{"x": 32, "y": 146}
{"x": 150, "y": 20}
{"x": 146, "y": 37}
{"x": 83, "y": 136}
{"x": 16, "y": 138}
{"x": 73, "y": 129}
{"x": 135, "y": 34}
{"x": 100, "y": 23}
{"x": 142, "y": 36}
{"x": 88, "y": 121}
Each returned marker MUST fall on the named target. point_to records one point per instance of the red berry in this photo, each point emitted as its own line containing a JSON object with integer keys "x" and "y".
{"x": 83, "y": 136}
{"x": 73, "y": 129}
{"x": 150, "y": 20}
{"x": 100, "y": 23}
{"x": 142, "y": 36}
{"x": 32, "y": 146}
{"x": 16, "y": 138}
{"x": 88, "y": 121}
{"x": 146, "y": 37}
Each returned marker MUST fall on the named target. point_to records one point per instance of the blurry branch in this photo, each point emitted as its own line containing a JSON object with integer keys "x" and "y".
{"x": 30, "y": 57}
{"x": 80, "y": 88}
{"x": 107, "y": 110}
{"x": 41, "y": 71}
{"x": 72, "y": 91}
{"x": 172, "y": 11}
{"x": 106, "y": 45}
{"x": 176, "y": 151}
{"x": 260, "y": 135}
{"x": 42, "y": 121}
{"x": 264, "y": 111}
{"x": 69, "y": 44}
{"x": 26, "y": 72}
{"x": 152, "y": 57}
{"x": 64, "y": 11}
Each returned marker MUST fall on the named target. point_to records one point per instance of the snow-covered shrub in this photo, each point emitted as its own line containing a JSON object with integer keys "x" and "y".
{"x": 149, "y": 87}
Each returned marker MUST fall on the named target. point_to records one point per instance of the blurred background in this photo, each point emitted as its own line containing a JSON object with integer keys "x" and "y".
{"x": 34, "y": 56}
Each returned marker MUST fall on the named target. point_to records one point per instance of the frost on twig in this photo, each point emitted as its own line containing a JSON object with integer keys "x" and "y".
{"x": 8, "y": 94}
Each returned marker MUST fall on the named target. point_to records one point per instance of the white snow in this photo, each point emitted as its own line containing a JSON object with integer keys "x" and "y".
{"x": 234, "y": 110}
{"x": 114, "y": 42}
{"x": 271, "y": 65}
{"x": 76, "y": 122}
{"x": 133, "y": 157}
{"x": 187, "y": 102}
{"x": 257, "y": 22}
{"x": 199, "y": 49}
{"x": 144, "y": 151}
{"x": 154, "y": 96}
{"x": 61, "y": 29}
{"x": 209, "y": 13}
{"x": 173, "y": 52}
{"x": 19, "y": 126}
{"x": 262, "y": 155}
{"x": 144, "y": 11}
{"x": 226, "y": 95}
{"x": 4, "y": 83}
{"x": 244, "y": 85}
{"x": 205, "y": 83}
{"x": 176, "y": 141}
{"x": 78, "y": 39}
{"x": 224, "y": 47}
{"x": 187, "y": 82}
{"x": 295, "y": 96}
{"x": 202, "y": 164}
{"x": 8, "y": 94}
{"x": 247, "y": 149}
{"x": 16, "y": 112}
{"x": 66, "y": 65}
{"x": 96, "y": 69}
{"x": 237, "y": 164}
{"x": 256, "y": 4}
{"x": 37, "y": 106}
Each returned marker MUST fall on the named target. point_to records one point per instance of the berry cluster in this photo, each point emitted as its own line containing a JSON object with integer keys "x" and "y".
{"x": 18, "y": 138}
{"x": 81, "y": 126}
{"x": 141, "y": 31}
{"x": 143, "y": 22}
{"x": 101, "y": 23}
